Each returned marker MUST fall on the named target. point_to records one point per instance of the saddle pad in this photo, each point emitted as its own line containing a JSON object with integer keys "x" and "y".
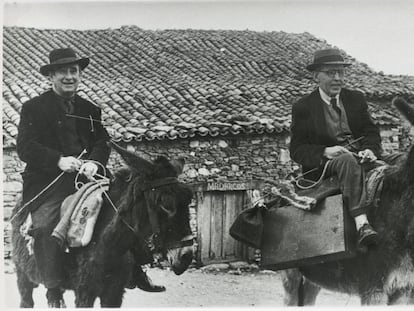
{"x": 294, "y": 237}
{"x": 373, "y": 185}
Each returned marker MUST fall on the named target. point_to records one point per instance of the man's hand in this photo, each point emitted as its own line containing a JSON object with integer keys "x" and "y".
{"x": 69, "y": 164}
{"x": 334, "y": 151}
{"x": 367, "y": 156}
{"x": 89, "y": 169}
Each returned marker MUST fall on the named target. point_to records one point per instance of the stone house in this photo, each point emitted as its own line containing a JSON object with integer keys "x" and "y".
{"x": 221, "y": 99}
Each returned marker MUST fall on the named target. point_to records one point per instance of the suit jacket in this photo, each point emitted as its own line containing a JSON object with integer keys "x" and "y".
{"x": 40, "y": 141}
{"x": 309, "y": 136}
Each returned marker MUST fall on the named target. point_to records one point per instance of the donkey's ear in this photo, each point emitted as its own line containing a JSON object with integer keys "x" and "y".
{"x": 135, "y": 162}
{"x": 178, "y": 165}
{"x": 405, "y": 108}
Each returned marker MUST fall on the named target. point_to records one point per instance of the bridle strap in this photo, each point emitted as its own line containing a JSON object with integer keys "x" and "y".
{"x": 186, "y": 241}
{"x": 152, "y": 214}
{"x": 155, "y": 225}
{"x": 157, "y": 183}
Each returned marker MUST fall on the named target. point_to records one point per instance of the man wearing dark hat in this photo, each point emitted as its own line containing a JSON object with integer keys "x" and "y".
{"x": 57, "y": 130}
{"x": 325, "y": 124}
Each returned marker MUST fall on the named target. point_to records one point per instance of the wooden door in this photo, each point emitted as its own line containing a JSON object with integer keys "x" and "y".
{"x": 216, "y": 213}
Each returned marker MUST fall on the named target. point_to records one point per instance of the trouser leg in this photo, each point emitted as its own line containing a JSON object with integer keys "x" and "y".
{"x": 47, "y": 251}
{"x": 49, "y": 258}
{"x": 351, "y": 180}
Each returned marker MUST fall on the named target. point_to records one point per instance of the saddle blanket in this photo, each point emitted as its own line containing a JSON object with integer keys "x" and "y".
{"x": 79, "y": 213}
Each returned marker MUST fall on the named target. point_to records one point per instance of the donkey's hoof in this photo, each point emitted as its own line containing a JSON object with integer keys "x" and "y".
{"x": 57, "y": 304}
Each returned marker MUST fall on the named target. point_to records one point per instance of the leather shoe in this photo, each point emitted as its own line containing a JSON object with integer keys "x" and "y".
{"x": 367, "y": 236}
{"x": 144, "y": 283}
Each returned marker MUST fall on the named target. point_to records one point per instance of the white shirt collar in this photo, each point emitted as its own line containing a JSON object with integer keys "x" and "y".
{"x": 326, "y": 98}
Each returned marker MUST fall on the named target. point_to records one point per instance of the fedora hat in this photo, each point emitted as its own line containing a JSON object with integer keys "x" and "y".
{"x": 327, "y": 57}
{"x": 59, "y": 57}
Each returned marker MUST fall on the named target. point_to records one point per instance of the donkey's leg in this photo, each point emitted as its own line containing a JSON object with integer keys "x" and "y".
{"x": 310, "y": 292}
{"x": 374, "y": 297}
{"x": 114, "y": 282}
{"x": 113, "y": 291}
{"x": 298, "y": 290}
{"x": 25, "y": 287}
{"x": 84, "y": 299}
{"x": 55, "y": 298}
{"x": 85, "y": 296}
{"x": 291, "y": 280}
{"x": 411, "y": 299}
{"x": 403, "y": 296}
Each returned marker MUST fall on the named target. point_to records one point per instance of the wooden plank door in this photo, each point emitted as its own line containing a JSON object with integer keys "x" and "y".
{"x": 216, "y": 213}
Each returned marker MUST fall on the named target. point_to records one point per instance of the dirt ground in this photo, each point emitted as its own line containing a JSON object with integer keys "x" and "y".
{"x": 197, "y": 288}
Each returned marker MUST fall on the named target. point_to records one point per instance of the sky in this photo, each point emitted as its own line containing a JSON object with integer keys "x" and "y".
{"x": 379, "y": 33}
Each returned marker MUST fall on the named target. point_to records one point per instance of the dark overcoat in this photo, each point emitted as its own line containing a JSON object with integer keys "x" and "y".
{"x": 309, "y": 135}
{"x": 40, "y": 142}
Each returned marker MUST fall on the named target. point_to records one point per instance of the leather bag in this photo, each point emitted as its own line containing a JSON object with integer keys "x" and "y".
{"x": 248, "y": 227}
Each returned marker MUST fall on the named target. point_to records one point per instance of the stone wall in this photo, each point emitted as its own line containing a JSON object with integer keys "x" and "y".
{"x": 225, "y": 159}
{"x": 12, "y": 180}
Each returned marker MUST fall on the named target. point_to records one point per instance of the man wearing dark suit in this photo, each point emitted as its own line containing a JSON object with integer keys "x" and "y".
{"x": 55, "y": 129}
{"x": 324, "y": 125}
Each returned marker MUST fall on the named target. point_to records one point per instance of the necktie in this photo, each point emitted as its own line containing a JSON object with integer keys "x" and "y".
{"x": 68, "y": 103}
{"x": 335, "y": 106}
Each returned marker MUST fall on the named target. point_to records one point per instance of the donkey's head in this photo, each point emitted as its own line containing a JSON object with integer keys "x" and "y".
{"x": 158, "y": 205}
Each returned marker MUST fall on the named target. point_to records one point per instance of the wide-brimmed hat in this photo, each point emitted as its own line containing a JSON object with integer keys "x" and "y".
{"x": 327, "y": 57}
{"x": 59, "y": 57}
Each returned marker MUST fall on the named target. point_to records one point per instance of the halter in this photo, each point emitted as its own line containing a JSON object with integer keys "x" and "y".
{"x": 157, "y": 183}
{"x": 154, "y": 241}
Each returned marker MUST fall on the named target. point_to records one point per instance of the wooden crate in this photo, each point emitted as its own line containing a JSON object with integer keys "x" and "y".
{"x": 293, "y": 237}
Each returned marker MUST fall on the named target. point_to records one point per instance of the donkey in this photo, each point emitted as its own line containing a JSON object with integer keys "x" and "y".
{"x": 138, "y": 192}
{"x": 384, "y": 274}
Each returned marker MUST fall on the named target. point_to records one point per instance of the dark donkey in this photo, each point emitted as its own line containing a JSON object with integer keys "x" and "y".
{"x": 141, "y": 191}
{"x": 385, "y": 274}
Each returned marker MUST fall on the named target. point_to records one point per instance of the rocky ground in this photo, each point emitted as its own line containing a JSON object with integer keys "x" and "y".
{"x": 221, "y": 285}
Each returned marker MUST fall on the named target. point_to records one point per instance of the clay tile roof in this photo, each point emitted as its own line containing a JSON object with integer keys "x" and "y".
{"x": 171, "y": 84}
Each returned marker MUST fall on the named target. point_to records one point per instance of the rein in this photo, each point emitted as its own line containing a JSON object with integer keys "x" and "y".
{"x": 18, "y": 212}
{"x": 312, "y": 183}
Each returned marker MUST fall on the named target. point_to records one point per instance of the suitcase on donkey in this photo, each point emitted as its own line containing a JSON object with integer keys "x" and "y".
{"x": 293, "y": 237}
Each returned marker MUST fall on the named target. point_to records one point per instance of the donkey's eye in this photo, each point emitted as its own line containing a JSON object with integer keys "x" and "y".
{"x": 128, "y": 178}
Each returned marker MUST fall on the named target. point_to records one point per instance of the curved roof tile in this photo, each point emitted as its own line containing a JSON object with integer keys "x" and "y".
{"x": 170, "y": 84}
